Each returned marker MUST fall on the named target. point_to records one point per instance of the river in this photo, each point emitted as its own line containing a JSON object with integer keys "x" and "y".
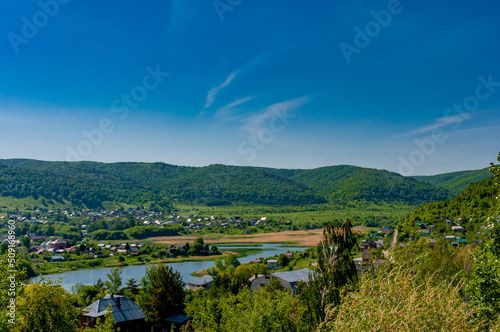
{"x": 90, "y": 276}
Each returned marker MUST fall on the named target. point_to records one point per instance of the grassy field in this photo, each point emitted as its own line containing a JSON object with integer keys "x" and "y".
{"x": 312, "y": 213}
{"x": 302, "y": 238}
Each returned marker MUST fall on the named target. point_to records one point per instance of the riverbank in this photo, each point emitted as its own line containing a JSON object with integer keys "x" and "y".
{"x": 185, "y": 268}
{"x": 50, "y": 268}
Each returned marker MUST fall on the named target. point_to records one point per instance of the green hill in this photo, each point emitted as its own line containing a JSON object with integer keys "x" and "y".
{"x": 473, "y": 206}
{"x": 92, "y": 184}
{"x": 456, "y": 181}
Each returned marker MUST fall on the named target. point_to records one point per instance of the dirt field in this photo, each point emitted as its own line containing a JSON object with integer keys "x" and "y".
{"x": 305, "y": 238}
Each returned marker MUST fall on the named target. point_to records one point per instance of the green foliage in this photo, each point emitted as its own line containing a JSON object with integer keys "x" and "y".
{"x": 161, "y": 294}
{"x": 104, "y": 325}
{"x": 456, "y": 182}
{"x": 395, "y": 301}
{"x": 283, "y": 260}
{"x": 268, "y": 310}
{"x": 46, "y": 306}
{"x": 114, "y": 282}
{"x": 154, "y": 185}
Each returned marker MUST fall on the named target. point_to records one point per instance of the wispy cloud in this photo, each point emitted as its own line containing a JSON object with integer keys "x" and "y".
{"x": 437, "y": 124}
{"x": 484, "y": 128}
{"x": 253, "y": 124}
{"x": 228, "y": 110}
{"x": 215, "y": 90}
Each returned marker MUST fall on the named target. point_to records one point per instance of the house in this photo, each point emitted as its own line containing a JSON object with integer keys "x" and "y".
{"x": 58, "y": 244}
{"x": 462, "y": 241}
{"x": 56, "y": 259}
{"x": 126, "y": 314}
{"x": 289, "y": 280}
{"x": 272, "y": 264}
{"x": 35, "y": 237}
{"x": 368, "y": 244}
{"x": 204, "y": 282}
{"x": 450, "y": 238}
{"x": 177, "y": 322}
{"x": 256, "y": 261}
{"x": 289, "y": 254}
{"x": 366, "y": 255}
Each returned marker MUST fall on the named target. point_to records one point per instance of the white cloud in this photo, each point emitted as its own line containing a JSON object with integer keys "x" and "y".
{"x": 215, "y": 90}
{"x": 438, "y": 123}
{"x": 253, "y": 124}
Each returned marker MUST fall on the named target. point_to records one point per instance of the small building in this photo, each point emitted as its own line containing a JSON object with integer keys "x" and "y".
{"x": 288, "y": 279}
{"x": 256, "y": 261}
{"x": 177, "y": 322}
{"x": 204, "y": 282}
{"x": 127, "y": 315}
{"x": 272, "y": 264}
{"x": 56, "y": 258}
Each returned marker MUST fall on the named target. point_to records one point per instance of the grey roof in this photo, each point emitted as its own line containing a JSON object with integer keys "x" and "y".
{"x": 294, "y": 276}
{"x": 202, "y": 280}
{"x": 128, "y": 310}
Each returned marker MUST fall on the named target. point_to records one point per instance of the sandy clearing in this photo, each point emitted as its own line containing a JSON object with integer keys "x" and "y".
{"x": 305, "y": 238}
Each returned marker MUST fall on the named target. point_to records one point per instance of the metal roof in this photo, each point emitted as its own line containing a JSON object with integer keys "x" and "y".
{"x": 179, "y": 318}
{"x": 128, "y": 310}
{"x": 202, "y": 280}
{"x": 294, "y": 276}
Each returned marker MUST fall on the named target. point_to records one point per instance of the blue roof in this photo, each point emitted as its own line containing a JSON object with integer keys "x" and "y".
{"x": 128, "y": 310}
{"x": 179, "y": 318}
{"x": 462, "y": 240}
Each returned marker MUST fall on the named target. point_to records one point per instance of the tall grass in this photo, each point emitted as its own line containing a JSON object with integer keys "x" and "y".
{"x": 396, "y": 301}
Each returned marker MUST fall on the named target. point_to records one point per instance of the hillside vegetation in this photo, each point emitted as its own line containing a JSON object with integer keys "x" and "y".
{"x": 94, "y": 185}
{"x": 456, "y": 181}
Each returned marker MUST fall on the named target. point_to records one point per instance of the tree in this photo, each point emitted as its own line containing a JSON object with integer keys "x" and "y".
{"x": 114, "y": 282}
{"x": 25, "y": 241}
{"x": 336, "y": 269}
{"x": 132, "y": 289}
{"x": 162, "y": 294}
{"x": 104, "y": 325}
{"x": 283, "y": 260}
{"x": 46, "y": 306}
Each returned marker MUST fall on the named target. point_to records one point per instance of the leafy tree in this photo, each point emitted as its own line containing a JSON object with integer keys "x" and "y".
{"x": 114, "y": 282}
{"x": 104, "y": 325}
{"x": 162, "y": 294}
{"x": 336, "y": 269}
{"x": 9, "y": 281}
{"x": 46, "y": 306}
{"x": 131, "y": 289}
{"x": 283, "y": 260}
{"x": 25, "y": 241}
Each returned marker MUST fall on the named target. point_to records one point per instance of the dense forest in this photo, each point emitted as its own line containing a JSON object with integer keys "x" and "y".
{"x": 89, "y": 184}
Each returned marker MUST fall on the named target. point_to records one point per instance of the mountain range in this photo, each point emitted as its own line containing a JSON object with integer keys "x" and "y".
{"x": 91, "y": 184}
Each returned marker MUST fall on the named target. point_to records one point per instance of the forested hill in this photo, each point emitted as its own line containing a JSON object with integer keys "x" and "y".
{"x": 91, "y": 183}
{"x": 456, "y": 181}
{"x": 478, "y": 201}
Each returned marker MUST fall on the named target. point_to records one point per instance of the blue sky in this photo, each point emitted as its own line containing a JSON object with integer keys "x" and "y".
{"x": 408, "y": 86}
